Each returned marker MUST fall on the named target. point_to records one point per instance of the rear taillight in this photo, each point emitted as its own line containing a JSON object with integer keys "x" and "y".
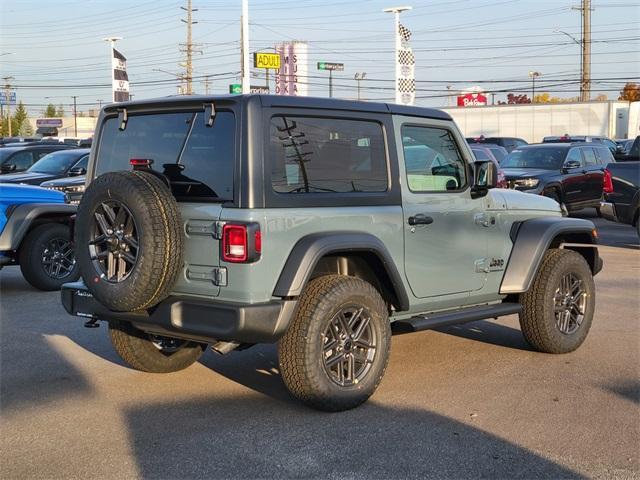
{"x": 241, "y": 243}
{"x": 607, "y": 182}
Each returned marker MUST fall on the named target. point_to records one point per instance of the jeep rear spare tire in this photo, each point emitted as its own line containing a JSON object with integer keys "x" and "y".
{"x": 129, "y": 240}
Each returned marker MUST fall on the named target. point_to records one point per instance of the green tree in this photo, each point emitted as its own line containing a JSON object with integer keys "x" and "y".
{"x": 50, "y": 111}
{"x": 60, "y": 111}
{"x": 20, "y": 122}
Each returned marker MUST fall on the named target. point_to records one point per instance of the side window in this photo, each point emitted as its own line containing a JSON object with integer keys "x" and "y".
{"x": 604, "y": 155}
{"x": 589, "y": 157}
{"x": 22, "y": 160}
{"x": 574, "y": 155}
{"x": 327, "y": 155}
{"x": 432, "y": 160}
{"x": 82, "y": 163}
{"x": 38, "y": 154}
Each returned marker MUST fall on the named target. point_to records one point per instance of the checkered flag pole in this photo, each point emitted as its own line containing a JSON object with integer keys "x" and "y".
{"x": 405, "y": 67}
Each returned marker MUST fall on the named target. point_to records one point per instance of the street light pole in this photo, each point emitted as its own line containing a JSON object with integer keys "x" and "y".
{"x": 396, "y": 11}
{"x": 533, "y": 76}
{"x": 359, "y": 76}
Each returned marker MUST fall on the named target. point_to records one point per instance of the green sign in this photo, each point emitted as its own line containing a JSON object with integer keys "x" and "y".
{"x": 330, "y": 66}
{"x": 235, "y": 88}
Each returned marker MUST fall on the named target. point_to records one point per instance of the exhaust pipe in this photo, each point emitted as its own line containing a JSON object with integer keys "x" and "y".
{"x": 224, "y": 347}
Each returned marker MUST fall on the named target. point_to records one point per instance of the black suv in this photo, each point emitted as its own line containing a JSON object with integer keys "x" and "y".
{"x": 14, "y": 159}
{"x": 509, "y": 143}
{"x": 570, "y": 173}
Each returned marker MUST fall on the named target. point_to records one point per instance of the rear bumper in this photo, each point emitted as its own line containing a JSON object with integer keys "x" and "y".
{"x": 608, "y": 211}
{"x": 191, "y": 318}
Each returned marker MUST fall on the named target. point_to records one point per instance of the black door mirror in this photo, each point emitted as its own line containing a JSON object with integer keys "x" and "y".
{"x": 8, "y": 167}
{"x": 485, "y": 177}
{"x": 570, "y": 165}
{"x": 77, "y": 171}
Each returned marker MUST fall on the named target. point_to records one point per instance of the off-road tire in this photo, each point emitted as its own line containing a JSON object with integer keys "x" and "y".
{"x": 137, "y": 349}
{"x": 537, "y": 319}
{"x": 160, "y": 239}
{"x": 301, "y": 352}
{"x": 31, "y": 252}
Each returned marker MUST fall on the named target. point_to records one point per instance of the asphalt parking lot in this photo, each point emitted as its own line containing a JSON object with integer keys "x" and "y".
{"x": 467, "y": 401}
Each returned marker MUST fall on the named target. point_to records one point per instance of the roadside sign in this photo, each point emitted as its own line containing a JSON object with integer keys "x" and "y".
{"x": 264, "y": 90}
{"x": 331, "y": 66}
{"x": 3, "y": 98}
{"x": 49, "y": 122}
{"x": 235, "y": 88}
{"x": 266, "y": 60}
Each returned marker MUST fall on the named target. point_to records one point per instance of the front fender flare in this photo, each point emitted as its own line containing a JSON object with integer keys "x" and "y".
{"x": 310, "y": 249}
{"x": 533, "y": 239}
{"x": 24, "y": 215}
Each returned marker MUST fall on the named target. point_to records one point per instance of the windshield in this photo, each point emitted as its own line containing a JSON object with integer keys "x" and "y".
{"x": 546, "y": 158}
{"x": 55, "y": 163}
{"x": 499, "y": 153}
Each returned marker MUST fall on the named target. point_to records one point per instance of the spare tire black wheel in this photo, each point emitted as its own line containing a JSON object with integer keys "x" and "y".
{"x": 129, "y": 240}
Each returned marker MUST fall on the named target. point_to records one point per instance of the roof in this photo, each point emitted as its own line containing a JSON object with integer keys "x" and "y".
{"x": 288, "y": 101}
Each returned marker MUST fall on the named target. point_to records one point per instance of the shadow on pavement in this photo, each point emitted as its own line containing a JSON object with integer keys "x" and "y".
{"x": 264, "y": 438}
{"x": 627, "y": 389}
{"x": 489, "y": 332}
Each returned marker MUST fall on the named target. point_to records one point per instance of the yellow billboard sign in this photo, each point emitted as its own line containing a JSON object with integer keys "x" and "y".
{"x": 266, "y": 60}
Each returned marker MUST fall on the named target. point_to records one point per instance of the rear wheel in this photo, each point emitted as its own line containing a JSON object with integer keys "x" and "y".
{"x": 336, "y": 349}
{"x": 152, "y": 353}
{"x": 557, "y": 310}
{"x": 47, "y": 258}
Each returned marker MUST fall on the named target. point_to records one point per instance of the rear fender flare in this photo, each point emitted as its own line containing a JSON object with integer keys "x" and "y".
{"x": 310, "y": 249}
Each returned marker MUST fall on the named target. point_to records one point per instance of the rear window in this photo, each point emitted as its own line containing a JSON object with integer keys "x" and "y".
{"x": 327, "y": 155}
{"x": 604, "y": 155}
{"x": 198, "y": 160}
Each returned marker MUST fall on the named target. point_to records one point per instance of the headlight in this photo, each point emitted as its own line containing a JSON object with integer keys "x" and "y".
{"x": 527, "y": 182}
{"x": 66, "y": 189}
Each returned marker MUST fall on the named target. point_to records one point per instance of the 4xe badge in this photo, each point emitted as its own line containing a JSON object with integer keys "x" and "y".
{"x": 496, "y": 264}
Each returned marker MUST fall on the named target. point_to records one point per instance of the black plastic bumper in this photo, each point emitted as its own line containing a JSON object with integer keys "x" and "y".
{"x": 191, "y": 318}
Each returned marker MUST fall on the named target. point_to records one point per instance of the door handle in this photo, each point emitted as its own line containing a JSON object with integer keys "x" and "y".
{"x": 420, "y": 219}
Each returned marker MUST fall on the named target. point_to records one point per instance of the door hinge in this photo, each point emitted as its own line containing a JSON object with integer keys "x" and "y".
{"x": 210, "y": 228}
{"x": 217, "y": 275}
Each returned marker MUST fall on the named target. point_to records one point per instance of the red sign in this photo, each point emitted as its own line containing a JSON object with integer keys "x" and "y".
{"x": 471, "y": 100}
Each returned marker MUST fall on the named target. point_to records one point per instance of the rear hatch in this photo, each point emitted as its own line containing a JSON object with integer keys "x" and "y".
{"x": 198, "y": 159}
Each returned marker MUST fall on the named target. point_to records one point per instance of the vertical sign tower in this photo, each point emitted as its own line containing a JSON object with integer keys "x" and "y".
{"x": 404, "y": 60}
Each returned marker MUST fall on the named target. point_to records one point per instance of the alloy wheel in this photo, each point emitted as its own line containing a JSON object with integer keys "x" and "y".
{"x": 58, "y": 258}
{"x": 570, "y": 301}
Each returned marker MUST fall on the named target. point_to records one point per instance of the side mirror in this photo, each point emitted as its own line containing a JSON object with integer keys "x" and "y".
{"x": 77, "y": 171}
{"x": 485, "y": 177}
{"x": 8, "y": 167}
{"x": 570, "y": 165}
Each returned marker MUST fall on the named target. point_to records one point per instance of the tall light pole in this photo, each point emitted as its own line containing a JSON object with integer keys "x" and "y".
{"x": 7, "y": 93}
{"x": 359, "y": 76}
{"x": 75, "y": 116}
{"x": 533, "y": 76}
{"x": 112, "y": 43}
{"x": 246, "y": 81}
{"x": 397, "y": 11}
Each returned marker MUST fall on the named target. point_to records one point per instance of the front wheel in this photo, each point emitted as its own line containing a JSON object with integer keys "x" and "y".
{"x": 47, "y": 257}
{"x": 336, "y": 349}
{"x": 152, "y": 353}
{"x": 557, "y": 310}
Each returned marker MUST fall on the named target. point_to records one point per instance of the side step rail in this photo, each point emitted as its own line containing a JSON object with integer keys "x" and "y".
{"x": 464, "y": 315}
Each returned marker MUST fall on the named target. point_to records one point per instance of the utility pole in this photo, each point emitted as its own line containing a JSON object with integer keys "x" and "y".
{"x": 244, "y": 34}
{"x": 206, "y": 84}
{"x": 585, "y": 86}
{"x": 449, "y": 95}
{"x": 99, "y": 103}
{"x": 75, "y": 116}
{"x": 7, "y": 93}
{"x": 188, "y": 47}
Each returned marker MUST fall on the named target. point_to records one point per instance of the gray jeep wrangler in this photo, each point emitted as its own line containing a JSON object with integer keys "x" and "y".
{"x": 319, "y": 224}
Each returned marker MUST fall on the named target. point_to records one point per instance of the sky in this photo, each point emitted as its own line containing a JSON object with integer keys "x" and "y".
{"x": 55, "y": 49}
